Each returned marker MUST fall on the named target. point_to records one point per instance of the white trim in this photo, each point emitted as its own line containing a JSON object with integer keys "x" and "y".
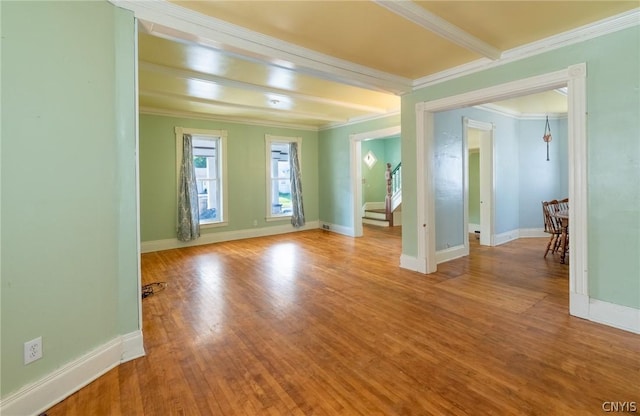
{"x": 472, "y": 228}
{"x": 507, "y": 112}
{"x": 532, "y": 233}
{"x": 233, "y": 120}
{"x": 39, "y": 396}
{"x": 618, "y": 316}
{"x": 338, "y": 229}
{"x": 574, "y": 77}
{"x": 221, "y": 137}
{"x": 452, "y": 253}
{"x": 505, "y": 237}
{"x": 168, "y": 20}
{"x": 360, "y": 120}
{"x": 413, "y": 263}
{"x": 441, "y": 27}
{"x": 211, "y": 238}
{"x": 355, "y": 168}
{"x": 610, "y": 25}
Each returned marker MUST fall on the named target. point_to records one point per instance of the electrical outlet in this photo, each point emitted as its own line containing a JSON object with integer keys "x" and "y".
{"x": 32, "y": 350}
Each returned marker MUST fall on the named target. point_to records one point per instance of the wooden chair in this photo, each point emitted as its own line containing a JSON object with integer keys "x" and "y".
{"x": 552, "y": 225}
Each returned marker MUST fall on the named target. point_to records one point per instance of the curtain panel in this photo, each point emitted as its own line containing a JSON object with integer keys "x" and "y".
{"x": 188, "y": 214}
{"x": 297, "y": 216}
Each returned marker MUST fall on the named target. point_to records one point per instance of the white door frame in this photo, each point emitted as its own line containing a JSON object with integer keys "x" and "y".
{"x": 487, "y": 184}
{"x": 355, "y": 141}
{"x": 574, "y": 78}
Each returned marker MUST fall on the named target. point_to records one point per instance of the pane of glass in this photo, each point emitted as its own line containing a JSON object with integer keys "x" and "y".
{"x": 280, "y": 180}
{"x": 205, "y": 159}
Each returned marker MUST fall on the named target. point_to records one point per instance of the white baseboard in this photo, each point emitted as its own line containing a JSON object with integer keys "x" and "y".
{"x": 532, "y": 233}
{"x": 503, "y": 238}
{"x": 606, "y": 313}
{"x": 171, "y": 243}
{"x": 451, "y": 253}
{"x": 37, "y": 397}
{"x": 413, "y": 263}
{"x": 617, "y": 316}
{"x": 474, "y": 227}
{"x": 339, "y": 229}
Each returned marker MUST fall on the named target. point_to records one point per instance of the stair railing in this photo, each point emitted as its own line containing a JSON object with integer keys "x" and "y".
{"x": 394, "y": 184}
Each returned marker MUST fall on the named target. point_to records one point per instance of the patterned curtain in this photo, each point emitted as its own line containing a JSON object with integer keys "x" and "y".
{"x": 297, "y": 217}
{"x": 188, "y": 214}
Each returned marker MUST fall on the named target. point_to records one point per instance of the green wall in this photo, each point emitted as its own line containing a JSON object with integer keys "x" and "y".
{"x": 613, "y": 104}
{"x": 69, "y": 259}
{"x": 474, "y": 187}
{"x": 246, "y": 174}
{"x": 336, "y": 195}
{"x": 374, "y": 188}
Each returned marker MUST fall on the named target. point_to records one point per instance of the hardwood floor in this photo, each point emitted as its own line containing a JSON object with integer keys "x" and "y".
{"x": 318, "y": 323}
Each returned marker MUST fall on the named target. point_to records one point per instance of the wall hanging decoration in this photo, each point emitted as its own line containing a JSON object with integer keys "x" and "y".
{"x": 547, "y": 136}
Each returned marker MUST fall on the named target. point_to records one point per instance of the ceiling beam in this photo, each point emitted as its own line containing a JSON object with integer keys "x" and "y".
{"x": 418, "y": 15}
{"x": 223, "y": 104}
{"x": 171, "y": 21}
{"x": 226, "y": 82}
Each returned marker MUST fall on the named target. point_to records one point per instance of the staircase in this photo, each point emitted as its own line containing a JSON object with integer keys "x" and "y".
{"x": 388, "y": 214}
{"x": 373, "y": 216}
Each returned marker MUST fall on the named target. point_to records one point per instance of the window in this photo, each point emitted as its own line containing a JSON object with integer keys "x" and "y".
{"x": 209, "y": 161}
{"x": 278, "y": 176}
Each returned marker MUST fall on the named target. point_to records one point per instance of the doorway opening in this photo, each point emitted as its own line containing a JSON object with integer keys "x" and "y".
{"x": 574, "y": 78}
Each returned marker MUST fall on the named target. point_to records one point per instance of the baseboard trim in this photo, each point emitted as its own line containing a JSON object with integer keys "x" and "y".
{"x": 37, "y": 397}
{"x": 474, "y": 227}
{"x": 171, "y": 243}
{"x": 339, "y": 229}
{"x": 413, "y": 263}
{"x": 532, "y": 233}
{"x": 504, "y": 238}
{"x": 617, "y": 316}
{"x": 451, "y": 253}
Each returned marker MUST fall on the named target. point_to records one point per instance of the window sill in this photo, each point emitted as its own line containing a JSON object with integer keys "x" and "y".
{"x": 278, "y": 218}
{"x": 214, "y": 224}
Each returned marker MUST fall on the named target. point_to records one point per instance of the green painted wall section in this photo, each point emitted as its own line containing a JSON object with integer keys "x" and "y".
{"x": 68, "y": 183}
{"x": 613, "y": 104}
{"x": 374, "y": 188}
{"x": 336, "y": 195}
{"x": 474, "y": 187}
{"x": 246, "y": 174}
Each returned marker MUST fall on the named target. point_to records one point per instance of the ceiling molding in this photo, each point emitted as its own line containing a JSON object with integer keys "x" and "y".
{"x": 603, "y": 27}
{"x": 177, "y": 23}
{"x": 423, "y": 18}
{"x": 226, "y": 82}
{"x": 496, "y": 109}
{"x": 235, "y": 120}
{"x": 227, "y": 104}
{"x": 358, "y": 120}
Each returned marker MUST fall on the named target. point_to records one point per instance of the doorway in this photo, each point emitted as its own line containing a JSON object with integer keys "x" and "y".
{"x": 478, "y": 148}
{"x": 574, "y": 78}
{"x": 355, "y": 141}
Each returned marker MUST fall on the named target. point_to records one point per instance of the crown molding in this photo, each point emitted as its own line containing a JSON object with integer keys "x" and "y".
{"x": 423, "y": 18}
{"x": 171, "y": 21}
{"x": 496, "y": 109}
{"x": 358, "y": 120}
{"x": 235, "y": 120}
{"x": 603, "y": 27}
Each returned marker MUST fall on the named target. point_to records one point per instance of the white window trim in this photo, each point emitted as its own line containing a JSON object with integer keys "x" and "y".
{"x": 222, "y": 135}
{"x": 268, "y": 139}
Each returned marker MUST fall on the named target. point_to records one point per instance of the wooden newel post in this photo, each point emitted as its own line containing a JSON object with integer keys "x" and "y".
{"x": 387, "y": 199}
